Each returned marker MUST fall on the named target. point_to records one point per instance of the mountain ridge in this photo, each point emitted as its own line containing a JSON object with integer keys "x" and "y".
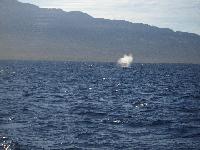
{"x": 30, "y": 32}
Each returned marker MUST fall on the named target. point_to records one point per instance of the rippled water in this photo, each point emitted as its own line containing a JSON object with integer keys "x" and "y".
{"x": 65, "y": 105}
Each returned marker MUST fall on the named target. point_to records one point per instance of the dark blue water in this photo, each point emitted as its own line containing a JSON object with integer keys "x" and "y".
{"x": 65, "y": 105}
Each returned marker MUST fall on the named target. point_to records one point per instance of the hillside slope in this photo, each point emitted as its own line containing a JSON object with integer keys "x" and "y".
{"x": 30, "y": 32}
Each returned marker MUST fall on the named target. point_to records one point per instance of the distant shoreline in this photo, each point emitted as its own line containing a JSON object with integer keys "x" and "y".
{"x": 103, "y": 62}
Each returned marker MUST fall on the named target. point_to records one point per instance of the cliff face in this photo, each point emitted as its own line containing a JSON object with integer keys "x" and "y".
{"x": 30, "y": 32}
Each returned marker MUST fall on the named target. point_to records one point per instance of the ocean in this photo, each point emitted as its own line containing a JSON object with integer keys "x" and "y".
{"x": 99, "y": 106}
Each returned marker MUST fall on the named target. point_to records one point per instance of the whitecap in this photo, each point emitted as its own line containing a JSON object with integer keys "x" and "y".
{"x": 116, "y": 121}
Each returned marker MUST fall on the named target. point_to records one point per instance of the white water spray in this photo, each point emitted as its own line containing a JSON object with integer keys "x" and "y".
{"x": 125, "y": 61}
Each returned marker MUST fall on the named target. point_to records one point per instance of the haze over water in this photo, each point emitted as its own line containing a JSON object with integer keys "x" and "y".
{"x": 63, "y": 105}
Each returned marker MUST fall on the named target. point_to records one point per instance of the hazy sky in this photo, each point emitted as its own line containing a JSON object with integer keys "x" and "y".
{"x": 181, "y": 15}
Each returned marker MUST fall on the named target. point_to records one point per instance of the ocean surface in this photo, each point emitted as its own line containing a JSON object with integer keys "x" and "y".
{"x": 74, "y": 105}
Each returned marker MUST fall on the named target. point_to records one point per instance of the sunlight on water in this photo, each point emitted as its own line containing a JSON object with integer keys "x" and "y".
{"x": 56, "y": 105}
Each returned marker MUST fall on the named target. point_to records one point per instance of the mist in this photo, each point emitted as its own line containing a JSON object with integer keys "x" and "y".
{"x": 126, "y": 60}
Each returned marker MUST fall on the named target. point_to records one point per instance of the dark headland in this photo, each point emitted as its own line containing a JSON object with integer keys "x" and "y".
{"x": 31, "y": 33}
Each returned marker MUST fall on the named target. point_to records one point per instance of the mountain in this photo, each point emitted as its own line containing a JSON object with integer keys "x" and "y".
{"x": 33, "y": 33}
